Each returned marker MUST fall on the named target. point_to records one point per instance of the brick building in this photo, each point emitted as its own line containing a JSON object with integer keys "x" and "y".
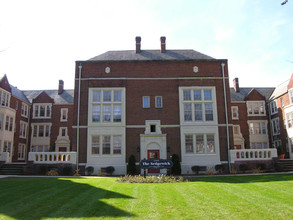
{"x": 152, "y": 104}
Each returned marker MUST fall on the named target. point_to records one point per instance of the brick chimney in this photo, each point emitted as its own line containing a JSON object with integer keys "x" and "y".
{"x": 236, "y": 85}
{"x": 137, "y": 44}
{"x": 163, "y": 44}
{"x": 61, "y": 86}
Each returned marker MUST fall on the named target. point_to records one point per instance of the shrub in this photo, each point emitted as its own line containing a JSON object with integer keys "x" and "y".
{"x": 67, "y": 170}
{"x": 243, "y": 168}
{"x": 52, "y": 172}
{"x": 43, "y": 169}
{"x": 219, "y": 168}
{"x": 233, "y": 171}
{"x": 262, "y": 166}
{"x": 151, "y": 179}
{"x": 110, "y": 170}
{"x": 210, "y": 171}
{"x": 131, "y": 167}
{"x": 176, "y": 168}
{"x": 195, "y": 169}
{"x": 256, "y": 170}
{"x": 76, "y": 172}
{"x": 89, "y": 170}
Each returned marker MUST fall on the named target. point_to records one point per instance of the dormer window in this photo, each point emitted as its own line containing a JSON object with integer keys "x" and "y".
{"x": 42, "y": 110}
{"x": 255, "y": 108}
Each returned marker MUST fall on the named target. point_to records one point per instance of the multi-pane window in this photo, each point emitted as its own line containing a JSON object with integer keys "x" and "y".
{"x": 40, "y": 148}
{"x": 256, "y": 108}
{"x": 236, "y": 129}
{"x": 24, "y": 110}
{"x": 257, "y": 128}
{"x": 1, "y": 121}
{"x": 273, "y": 106}
{"x": 259, "y": 145}
{"x": 8, "y": 123}
{"x": 22, "y": 129}
{"x": 64, "y": 114}
{"x": 106, "y": 144}
{"x": 200, "y": 143}
{"x": 42, "y": 110}
{"x": 235, "y": 114}
{"x": 159, "y": 101}
{"x": 146, "y": 102}
{"x": 63, "y": 132}
{"x": 21, "y": 151}
{"x": 41, "y": 130}
{"x": 275, "y": 126}
{"x": 4, "y": 98}
{"x": 107, "y": 106}
{"x": 7, "y": 146}
{"x": 289, "y": 117}
{"x": 198, "y": 105}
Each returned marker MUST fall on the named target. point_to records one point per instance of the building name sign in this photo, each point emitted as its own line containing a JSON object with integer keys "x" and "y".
{"x": 156, "y": 164}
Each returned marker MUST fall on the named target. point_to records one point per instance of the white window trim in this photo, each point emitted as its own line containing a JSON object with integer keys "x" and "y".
{"x": 38, "y": 127}
{"x": 23, "y": 146}
{"x": 25, "y": 124}
{"x": 161, "y": 102}
{"x": 149, "y": 103}
{"x": 256, "y": 102}
{"x": 275, "y": 107}
{"x": 61, "y": 114}
{"x": 237, "y": 117}
{"x": 239, "y": 131}
{"x": 204, "y": 145}
{"x": 111, "y": 154}
{"x": 44, "y": 105}
{"x": 26, "y": 110}
{"x": 275, "y": 121}
{"x": 7, "y": 97}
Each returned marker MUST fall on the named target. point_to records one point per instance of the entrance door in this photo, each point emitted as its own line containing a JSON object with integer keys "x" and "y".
{"x": 153, "y": 154}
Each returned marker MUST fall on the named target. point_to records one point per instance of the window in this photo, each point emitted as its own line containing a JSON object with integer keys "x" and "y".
{"x": 159, "y": 102}
{"x": 282, "y": 101}
{"x": 236, "y": 129}
{"x": 153, "y": 128}
{"x": 4, "y": 98}
{"x": 235, "y": 112}
{"x": 106, "y": 144}
{"x": 64, "y": 114}
{"x": 40, "y": 148}
{"x": 256, "y": 128}
{"x": 198, "y": 105}
{"x": 289, "y": 117}
{"x": 146, "y": 102}
{"x": 256, "y": 108}
{"x": 259, "y": 145}
{"x": 291, "y": 96}
{"x": 42, "y": 130}
{"x": 24, "y": 110}
{"x": 273, "y": 106}
{"x": 8, "y": 123}
{"x": 1, "y": 121}
{"x": 275, "y": 126}
{"x": 202, "y": 143}
{"x": 63, "y": 132}
{"x": 106, "y": 106}
{"x": 21, "y": 151}
{"x": 42, "y": 110}
{"x": 22, "y": 129}
{"x": 7, "y": 146}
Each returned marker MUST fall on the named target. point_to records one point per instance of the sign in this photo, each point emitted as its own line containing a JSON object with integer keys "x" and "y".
{"x": 156, "y": 164}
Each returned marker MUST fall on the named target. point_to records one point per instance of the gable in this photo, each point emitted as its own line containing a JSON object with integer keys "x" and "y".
{"x": 254, "y": 95}
{"x": 4, "y": 84}
{"x": 43, "y": 98}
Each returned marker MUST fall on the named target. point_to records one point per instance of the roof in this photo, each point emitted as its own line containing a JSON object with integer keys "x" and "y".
{"x": 280, "y": 90}
{"x": 144, "y": 55}
{"x": 66, "y": 97}
{"x": 18, "y": 94}
{"x": 240, "y": 96}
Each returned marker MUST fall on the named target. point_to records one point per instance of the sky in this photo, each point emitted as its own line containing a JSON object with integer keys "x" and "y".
{"x": 41, "y": 40}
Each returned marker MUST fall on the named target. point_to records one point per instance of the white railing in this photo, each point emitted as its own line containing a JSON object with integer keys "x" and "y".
{"x": 253, "y": 154}
{"x": 4, "y": 156}
{"x": 52, "y": 157}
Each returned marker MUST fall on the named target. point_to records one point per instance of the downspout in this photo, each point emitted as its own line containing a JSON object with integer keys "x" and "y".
{"x": 226, "y": 118}
{"x": 78, "y": 112}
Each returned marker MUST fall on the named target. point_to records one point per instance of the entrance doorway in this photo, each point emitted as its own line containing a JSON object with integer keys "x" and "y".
{"x": 153, "y": 154}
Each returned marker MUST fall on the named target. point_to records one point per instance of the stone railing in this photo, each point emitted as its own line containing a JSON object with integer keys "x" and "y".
{"x": 52, "y": 157}
{"x": 4, "y": 156}
{"x": 253, "y": 154}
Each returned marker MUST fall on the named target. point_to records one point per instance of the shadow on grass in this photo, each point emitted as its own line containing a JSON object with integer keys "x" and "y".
{"x": 37, "y": 198}
{"x": 244, "y": 178}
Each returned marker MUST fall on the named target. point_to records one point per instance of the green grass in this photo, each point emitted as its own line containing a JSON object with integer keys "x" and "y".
{"x": 233, "y": 197}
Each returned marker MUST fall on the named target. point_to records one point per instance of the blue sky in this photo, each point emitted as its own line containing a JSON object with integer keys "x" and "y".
{"x": 43, "y": 39}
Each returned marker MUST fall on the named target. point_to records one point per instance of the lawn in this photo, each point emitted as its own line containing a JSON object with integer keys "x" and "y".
{"x": 231, "y": 197}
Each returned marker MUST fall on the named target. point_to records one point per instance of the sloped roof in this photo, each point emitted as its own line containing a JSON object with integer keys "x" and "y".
{"x": 280, "y": 90}
{"x": 66, "y": 97}
{"x": 240, "y": 96}
{"x": 18, "y": 94}
{"x": 144, "y": 55}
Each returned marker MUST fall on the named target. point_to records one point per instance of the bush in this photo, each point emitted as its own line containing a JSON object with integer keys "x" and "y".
{"x": 76, "y": 172}
{"x": 52, "y": 172}
{"x": 131, "y": 167}
{"x": 151, "y": 179}
{"x": 210, "y": 171}
{"x": 43, "y": 169}
{"x": 262, "y": 166}
{"x": 110, "y": 170}
{"x": 243, "y": 168}
{"x": 219, "y": 168}
{"x": 195, "y": 169}
{"x": 67, "y": 170}
{"x": 176, "y": 168}
{"x": 89, "y": 170}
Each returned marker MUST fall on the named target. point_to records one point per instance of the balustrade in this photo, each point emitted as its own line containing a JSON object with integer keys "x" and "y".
{"x": 253, "y": 154}
{"x": 52, "y": 157}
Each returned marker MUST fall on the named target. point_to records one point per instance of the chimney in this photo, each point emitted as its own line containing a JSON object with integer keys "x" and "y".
{"x": 163, "y": 44}
{"x": 137, "y": 43}
{"x": 61, "y": 86}
{"x": 236, "y": 84}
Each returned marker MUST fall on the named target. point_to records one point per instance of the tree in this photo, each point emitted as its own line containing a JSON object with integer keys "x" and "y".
{"x": 176, "y": 169}
{"x": 131, "y": 167}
